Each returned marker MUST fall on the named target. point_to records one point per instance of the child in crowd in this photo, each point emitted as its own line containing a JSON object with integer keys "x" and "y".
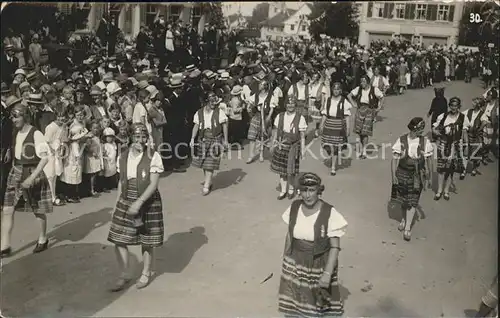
{"x": 93, "y": 156}
{"x": 123, "y": 136}
{"x": 110, "y": 154}
{"x": 115, "y": 117}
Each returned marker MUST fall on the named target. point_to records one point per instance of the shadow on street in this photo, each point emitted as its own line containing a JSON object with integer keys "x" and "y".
{"x": 176, "y": 253}
{"x": 64, "y": 281}
{"x": 76, "y": 229}
{"x": 225, "y": 179}
{"x": 386, "y": 307}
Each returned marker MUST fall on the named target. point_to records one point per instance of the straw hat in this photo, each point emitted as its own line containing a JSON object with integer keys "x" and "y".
{"x": 5, "y": 88}
{"x": 12, "y": 101}
{"x": 153, "y": 91}
{"x": 113, "y": 88}
{"x": 20, "y": 71}
{"x": 35, "y": 99}
{"x": 175, "y": 83}
{"x": 142, "y": 84}
{"x": 224, "y": 75}
{"x": 237, "y": 89}
{"x": 95, "y": 91}
{"x": 24, "y": 86}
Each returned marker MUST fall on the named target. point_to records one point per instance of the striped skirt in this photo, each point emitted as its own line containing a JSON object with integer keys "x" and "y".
{"x": 334, "y": 135}
{"x": 124, "y": 232}
{"x": 475, "y": 147}
{"x": 363, "y": 121}
{"x": 255, "y": 129}
{"x": 303, "y": 109}
{"x": 208, "y": 153}
{"x": 406, "y": 192}
{"x": 37, "y": 199}
{"x": 449, "y": 156}
{"x": 299, "y": 294}
{"x": 489, "y": 134}
{"x": 286, "y": 159}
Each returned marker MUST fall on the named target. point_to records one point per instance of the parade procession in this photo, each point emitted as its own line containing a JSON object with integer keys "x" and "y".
{"x": 296, "y": 159}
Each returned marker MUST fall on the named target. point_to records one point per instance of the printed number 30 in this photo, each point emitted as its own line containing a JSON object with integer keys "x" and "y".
{"x": 475, "y": 18}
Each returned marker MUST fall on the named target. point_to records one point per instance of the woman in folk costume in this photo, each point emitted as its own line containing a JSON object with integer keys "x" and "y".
{"x": 26, "y": 179}
{"x": 478, "y": 120}
{"x": 309, "y": 284}
{"x": 315, "y": 98}
{"x": 210, "y": 126}
{"x": 491, "y": 128}
{"x": 379, "y": 81}
{"x": 235, "y": 112}
{"x": 73, "y": 163}
{"x": 335, "y": 124}
{"x": 411, "y": 169}
{"x": 287, "y": 142}
{"x": 368, "y": 100}
{"x": 54, "y": 135}
{"x": 262, "y": 106}
{"x": 300, "y": 91}
{"x": 451, "y": 131}
{"x": 138, "y": 216}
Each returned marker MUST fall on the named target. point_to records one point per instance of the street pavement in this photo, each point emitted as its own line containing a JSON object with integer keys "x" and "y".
{"x": 219, "y": 249}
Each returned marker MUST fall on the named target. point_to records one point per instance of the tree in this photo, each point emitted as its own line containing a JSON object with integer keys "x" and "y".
{"x": 479, "y": 33}
{"x": 260, "y": 13}
{"x": 335, "y": 19}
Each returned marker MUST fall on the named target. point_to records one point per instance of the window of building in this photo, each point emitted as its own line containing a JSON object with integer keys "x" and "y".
{"x": 399, "y": 11}
{"x": 275, "y": 9}
{"x": 304, "y": 28}
{"x": 281, "y": 28}
{"x": 196, "y": 15}
{"x": 151, "y": 11}
{"x": 174, "y": 12}
{"x": 443, "y": 12}
{"x": 421, "y": 12}
{"x": 378, "y": 10}
{"x": 292, "y": 27}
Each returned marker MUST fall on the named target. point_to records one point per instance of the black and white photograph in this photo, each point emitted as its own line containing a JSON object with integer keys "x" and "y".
{"x": 249, "y": 159}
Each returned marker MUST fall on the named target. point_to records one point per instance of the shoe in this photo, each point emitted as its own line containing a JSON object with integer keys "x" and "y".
{"x": 73, "y": 200}
{"x": 333, "y": 173}
{"x": 437, "y": 197}
{"x": 120, "y": 284}
{"x": 40, "y": 247}
{"x": 407, "y": 235}
{"x": 462, "y": 176}
{"x": 402, "y": 225}
{"x": 143, "y": 281}
{"x": 205, "y": 191}
{"x": 473, "y": 173}
{"x": 281, "y": 196}
{"x": 57, "y": 202}
{"x": 446, "y": 196}
{"x": 6, "y": 252}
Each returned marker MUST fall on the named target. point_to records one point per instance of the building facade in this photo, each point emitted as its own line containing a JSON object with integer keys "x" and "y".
{"x": 286, "y": 23}
{"x": 132, "y": 15}
{"x": 425, "y": 22}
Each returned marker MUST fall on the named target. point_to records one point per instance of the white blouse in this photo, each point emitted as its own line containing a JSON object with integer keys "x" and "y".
{"x": 451, "y": 120}
{"x": 133, "y": 161}
{"x": 207, "y": 118}
{"x": 262, "y": 98}
{"x": 288, "y": 122}
{"x": 333, "y": 107}
{"x": 301, "y": 91}
{"x": 474, "y": 116}
{"x": 365, "y": 94}
{"x": 413, "y": 146}
{"x": 41, "y": 147}
{"x": 304, "y": 227}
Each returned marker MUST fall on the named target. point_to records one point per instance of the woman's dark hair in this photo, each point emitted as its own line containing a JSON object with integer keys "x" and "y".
{"x": 455, "y": 101}
{"x": 493, "y": 92}
{"x": 366, "y": 78}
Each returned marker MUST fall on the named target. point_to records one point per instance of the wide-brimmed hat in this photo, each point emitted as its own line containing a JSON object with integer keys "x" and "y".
{"x": 225, "y": 75}
{"x": 24, "y": 86}
{"x": 113, "y": 88}
{"x": 20, "y": 71}
{"x": 195, "y": 74}
{"x": 175, "y": 83}
{"x": 35, "y": 98}
{"x": 108, "y": 77}
{"x": 5, "y": 88}
{"x": 9, "y": 47}
{"x": 237, "y": 89}
{"x": 153, "y": 91}
{"x": 95, "y": 91}
{"x": 142, "y": 84}
{"x": 190, "y": 68}
{"x": 12, "y": 100}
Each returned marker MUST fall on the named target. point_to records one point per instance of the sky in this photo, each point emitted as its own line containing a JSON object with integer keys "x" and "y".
{"x": 247, "y": 7}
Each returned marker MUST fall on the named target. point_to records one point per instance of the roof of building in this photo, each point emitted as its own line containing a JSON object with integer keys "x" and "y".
{"x": 279, "y": 19}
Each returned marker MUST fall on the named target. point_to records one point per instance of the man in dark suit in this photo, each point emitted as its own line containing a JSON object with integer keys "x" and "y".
{"x": 142, "y": 42}
{"x": 9, "y": 64}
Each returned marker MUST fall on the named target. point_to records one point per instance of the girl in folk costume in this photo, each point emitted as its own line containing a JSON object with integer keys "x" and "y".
{"x": 491, "y": 128}
{"x": 138, "y": 216}
{"x": 262, "y": 106}
{"x": 54, "y": 135}
{"x": 300, "y": 91}
{"x": 411, "y": 171}
{"x": 109, "y": 156}
{"x": 477, "y": 119}
{"x": 309, "y": 284}
{"x": 287, "y": 141}
{"x": 235, "y": 111}
{"x": 210, "y": 126}
{"x": 315, "y": 98}
{"x": 93, "y": 155}
{"x": 73, "y": 162}
{"x": 368, "y": 101}
{"x": 379, "y": 81}
{"x": 451, "y": 131}
{"x": 26, "y": 179}
{"x": 335, "y": 124}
